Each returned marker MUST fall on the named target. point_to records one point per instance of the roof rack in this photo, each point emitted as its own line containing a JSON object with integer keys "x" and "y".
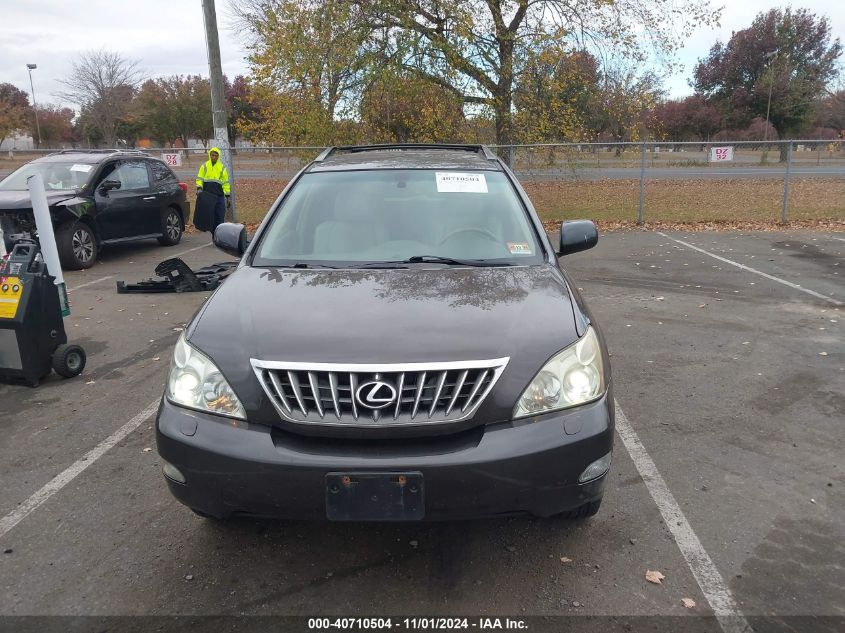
{"x": 479, "y": 149}
{"x": 98, "y": 151}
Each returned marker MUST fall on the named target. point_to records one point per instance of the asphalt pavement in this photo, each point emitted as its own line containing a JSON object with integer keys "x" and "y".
{"x": 729, "y": 372}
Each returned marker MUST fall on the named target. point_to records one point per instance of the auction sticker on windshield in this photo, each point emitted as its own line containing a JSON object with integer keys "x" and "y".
{"x": 81, "y": 167}
{"x": 520, "y": 248}
{"x": 460, "y": 182}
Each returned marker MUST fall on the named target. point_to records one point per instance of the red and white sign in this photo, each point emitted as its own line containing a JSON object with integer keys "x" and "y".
{"x": 173, "y": 159}
{"x": 721, "y": 154}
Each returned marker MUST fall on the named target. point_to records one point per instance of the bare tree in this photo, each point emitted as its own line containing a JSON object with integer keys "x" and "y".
{"x": 102, "y": 84}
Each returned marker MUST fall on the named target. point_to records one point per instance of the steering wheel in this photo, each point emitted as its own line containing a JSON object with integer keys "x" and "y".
{"x": 487, "y": 234}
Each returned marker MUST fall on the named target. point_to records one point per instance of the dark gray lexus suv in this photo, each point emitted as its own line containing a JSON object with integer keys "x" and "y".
{"x": 397, "y": 343}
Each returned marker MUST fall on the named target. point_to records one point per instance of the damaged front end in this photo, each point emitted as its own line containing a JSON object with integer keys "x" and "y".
{"x": 17, "y": 220}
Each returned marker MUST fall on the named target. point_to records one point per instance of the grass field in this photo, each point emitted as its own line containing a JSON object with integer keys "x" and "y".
{"x": 614, "y": 201}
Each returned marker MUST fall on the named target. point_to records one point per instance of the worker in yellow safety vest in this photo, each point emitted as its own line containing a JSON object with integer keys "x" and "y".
{"x": 214, "y": 179}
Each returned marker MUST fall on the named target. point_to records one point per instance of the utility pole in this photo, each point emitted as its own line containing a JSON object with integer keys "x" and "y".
{"x": 218, "y": 100}
{"x": 30, "y": 68}
{"x": 771, "y": 56}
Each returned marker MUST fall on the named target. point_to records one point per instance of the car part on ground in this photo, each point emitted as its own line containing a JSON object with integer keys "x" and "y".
{"x": 176, "y": 276}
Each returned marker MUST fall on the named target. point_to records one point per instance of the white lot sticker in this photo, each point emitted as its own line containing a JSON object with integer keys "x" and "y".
{"x": 460, "y": 182}
{"x": 80, "y": 167}
{"x": 520, "y": 248}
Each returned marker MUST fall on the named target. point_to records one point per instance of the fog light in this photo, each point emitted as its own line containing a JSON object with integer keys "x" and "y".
{"x": 596, "y": 469}
{"x": 171, "y": 472}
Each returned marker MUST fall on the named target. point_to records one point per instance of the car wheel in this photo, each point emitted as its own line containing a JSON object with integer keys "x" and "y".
{"x": 585, "y": 511}
{"x": 69, "y": 360}
{"x": 77, "y": 246}
{"x": 171, "y": 228}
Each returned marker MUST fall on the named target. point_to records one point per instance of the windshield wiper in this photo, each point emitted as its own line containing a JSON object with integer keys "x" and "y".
{"x": 433, "y": 259}
{"x": 307, "y": 265}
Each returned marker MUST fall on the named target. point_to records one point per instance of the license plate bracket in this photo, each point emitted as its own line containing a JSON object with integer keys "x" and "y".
{"x": 368, "y": 496}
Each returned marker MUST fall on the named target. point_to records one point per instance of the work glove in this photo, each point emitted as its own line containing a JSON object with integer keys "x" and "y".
{"x": 228, "y": 203}
{"x": 199, "y": 189}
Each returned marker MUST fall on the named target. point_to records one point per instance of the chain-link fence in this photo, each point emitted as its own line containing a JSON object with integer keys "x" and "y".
{"x": 685, "y": 182}
{"x": 628, "y": 182}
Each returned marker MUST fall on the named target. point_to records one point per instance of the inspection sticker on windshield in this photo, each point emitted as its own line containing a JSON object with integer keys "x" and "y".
{"x": 520, "y": 248}
{"x": 81, "y": 167}
{"x": 460, "y": 182}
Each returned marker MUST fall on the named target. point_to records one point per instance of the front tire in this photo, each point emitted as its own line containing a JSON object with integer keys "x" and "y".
{"x": 77, "y": 246}
{"x": 172, "y": 228}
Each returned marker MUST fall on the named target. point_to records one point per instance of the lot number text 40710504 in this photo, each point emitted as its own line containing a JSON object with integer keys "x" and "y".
{"x": 417, "y": 624}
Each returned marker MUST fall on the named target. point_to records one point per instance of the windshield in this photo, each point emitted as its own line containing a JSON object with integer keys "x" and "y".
{"x": 65, "y": 176}
{"x": 393, "y": 216}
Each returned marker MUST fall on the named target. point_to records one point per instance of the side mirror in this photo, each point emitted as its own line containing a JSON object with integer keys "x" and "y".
{"x": 108, "y": 185}
{"x": 577, "y": 235}
{"x": 231, "y": 238}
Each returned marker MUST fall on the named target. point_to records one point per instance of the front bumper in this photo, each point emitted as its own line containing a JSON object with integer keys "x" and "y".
{"x": 233, "y": 467}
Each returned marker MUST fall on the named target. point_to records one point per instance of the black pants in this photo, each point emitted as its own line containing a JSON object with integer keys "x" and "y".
{"x": 219, "y": 212}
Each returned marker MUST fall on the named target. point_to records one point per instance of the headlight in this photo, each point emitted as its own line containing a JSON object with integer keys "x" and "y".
{"x": 196, "y": 383}
{"x": 574, "y": 376}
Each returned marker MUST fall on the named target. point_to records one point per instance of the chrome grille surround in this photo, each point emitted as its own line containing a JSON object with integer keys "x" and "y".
{"x": 427, "y": 393}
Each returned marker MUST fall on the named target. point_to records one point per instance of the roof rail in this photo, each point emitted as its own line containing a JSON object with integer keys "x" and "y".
{"x": 325, "y": 154}
{"x": 98, "y": 151}
{"x": 489, "y": 154}
{"x": 481, "y": 149}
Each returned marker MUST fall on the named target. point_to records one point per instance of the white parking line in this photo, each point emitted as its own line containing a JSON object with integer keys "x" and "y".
{"x": 813, "y": 293}
{"x": 69, "y": 474}
{"x": 91, "y": 283}
{"x": 706, "y": 575}
{"x": 195, "y": 248}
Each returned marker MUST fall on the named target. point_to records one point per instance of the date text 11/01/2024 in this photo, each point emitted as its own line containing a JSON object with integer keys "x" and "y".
{"x": 416, "y": 624}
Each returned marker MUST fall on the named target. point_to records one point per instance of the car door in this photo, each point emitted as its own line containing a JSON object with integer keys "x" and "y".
{"x": 130, "y": 209}
{"x": 166, "y": 187}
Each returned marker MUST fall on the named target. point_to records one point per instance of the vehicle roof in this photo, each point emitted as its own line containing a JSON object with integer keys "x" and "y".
{"x": 88, "y": 157}
{"x": 405, "y": 156}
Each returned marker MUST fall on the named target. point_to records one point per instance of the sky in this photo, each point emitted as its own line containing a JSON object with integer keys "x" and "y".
{"x": 167, "y": 37}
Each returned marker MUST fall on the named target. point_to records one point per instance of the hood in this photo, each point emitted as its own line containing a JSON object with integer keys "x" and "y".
{"x": 385, "y": 316}
{"x": 215, "y": 149}
{"x": 17, "y": 200}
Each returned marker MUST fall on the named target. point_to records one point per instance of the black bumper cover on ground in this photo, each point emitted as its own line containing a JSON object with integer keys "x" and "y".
{"x": 233, "y": 467}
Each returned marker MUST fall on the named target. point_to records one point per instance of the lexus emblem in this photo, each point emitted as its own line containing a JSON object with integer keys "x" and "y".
{"x": 376, "y": 394}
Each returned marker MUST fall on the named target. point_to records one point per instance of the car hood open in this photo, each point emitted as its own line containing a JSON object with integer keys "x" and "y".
{"x": 385, "y": 316}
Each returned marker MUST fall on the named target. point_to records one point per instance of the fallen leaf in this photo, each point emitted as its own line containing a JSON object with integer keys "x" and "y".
{"x": 156, "y": 357}
{"x": 689, "y": 603}
{"x": 147, "y": 450}
{"x": 822, "y": 353}
{"x": 703, "y": 305}
{"x": 654, "y": 577}
{"x": 565, "y": 559}
{"x": 90, "y": 382}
